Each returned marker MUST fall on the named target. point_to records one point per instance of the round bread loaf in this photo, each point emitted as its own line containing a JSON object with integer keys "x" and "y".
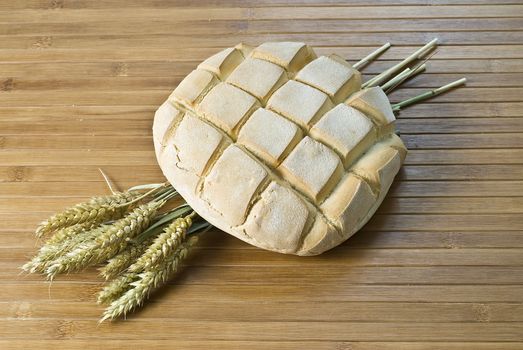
{"x": 279, "y": 147}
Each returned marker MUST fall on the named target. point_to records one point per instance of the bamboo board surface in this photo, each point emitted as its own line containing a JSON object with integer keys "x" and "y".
{"x": 440, "y": 266}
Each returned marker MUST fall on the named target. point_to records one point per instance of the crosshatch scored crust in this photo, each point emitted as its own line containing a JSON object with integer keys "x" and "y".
{"x": 279, "y": 147}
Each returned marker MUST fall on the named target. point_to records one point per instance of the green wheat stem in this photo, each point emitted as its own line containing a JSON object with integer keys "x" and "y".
{"x": 395, "y": 79}
{"x": 384, "y": 76}
{"x": 428, "y": 94}
{"x": 370, "y": 57}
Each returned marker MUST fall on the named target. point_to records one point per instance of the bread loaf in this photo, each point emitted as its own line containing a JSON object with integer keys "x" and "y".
{"x": 279, "y": 147}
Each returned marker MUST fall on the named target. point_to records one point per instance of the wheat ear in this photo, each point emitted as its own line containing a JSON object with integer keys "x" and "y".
{"x": 164, "y": 245}
{"x": 96, "y": 210}
{"x": 68, "y": 233}
{"x": 49, "y": 253}
{"x": 131, "y": 225}
{"x": 123, "y": 260}
{"x": 148, "y": 281}
{"x": 99, "y": 249}
{"x": 116, "y": 288}
{"x": 149, "y": 255}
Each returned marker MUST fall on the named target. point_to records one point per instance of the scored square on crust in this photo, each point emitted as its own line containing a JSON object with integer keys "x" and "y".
{"x": 349, "y": 202}
{"x": 257, "y": 77}
{"x": 193, "y": 88}
{"x": 279, "y": 216}
{"x": 226, "y": 106}
{"x": 270, "y": 136}
{"x": 331, "y": 75}
{"x": 194, "y": 156}
{"x": 223, "y": 63}
{"x": 348, "y": 131}
{"x": 300, "y": 103}
{"x": 312, "y": 167}
{"x": 374, "y": 103}
{"x": 292, "y": 56}
{"x": 231, "y": 184}
{"x": 165, "y": 120}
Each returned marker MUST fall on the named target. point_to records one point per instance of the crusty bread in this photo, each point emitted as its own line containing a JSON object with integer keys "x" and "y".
{"x": 279, "y": 147}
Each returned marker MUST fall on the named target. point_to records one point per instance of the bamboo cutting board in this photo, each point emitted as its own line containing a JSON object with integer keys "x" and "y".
{"x": 439, "y": 266}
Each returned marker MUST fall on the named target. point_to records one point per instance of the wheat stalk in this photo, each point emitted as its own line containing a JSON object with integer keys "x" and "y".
{"x": 95, "y": 211}
{"x": 123, "y": 260}
{"x": 131, "y": 225}
{"x": 108, "y": 241}
{"x": 116, "y": 288}
{"x": 148, "y": 281}
{"x": 82, "y": 256}
{"x": 68, "y": 233}
{"x": 164, "y": 245}
{"x": 49, "y": 253}
{"x": 370, "y": 57}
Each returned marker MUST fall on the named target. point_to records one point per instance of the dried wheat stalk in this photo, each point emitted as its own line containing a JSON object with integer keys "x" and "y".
{"x": 94, "y": 211}
{"x": 164, "y": 245}
{"x": 124, "y": 259}
{"x": 116, "y": 288}
{"x": 148, "y": 281}
{"x": 108, "y": 241}
{"x": 49, "y": 253}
